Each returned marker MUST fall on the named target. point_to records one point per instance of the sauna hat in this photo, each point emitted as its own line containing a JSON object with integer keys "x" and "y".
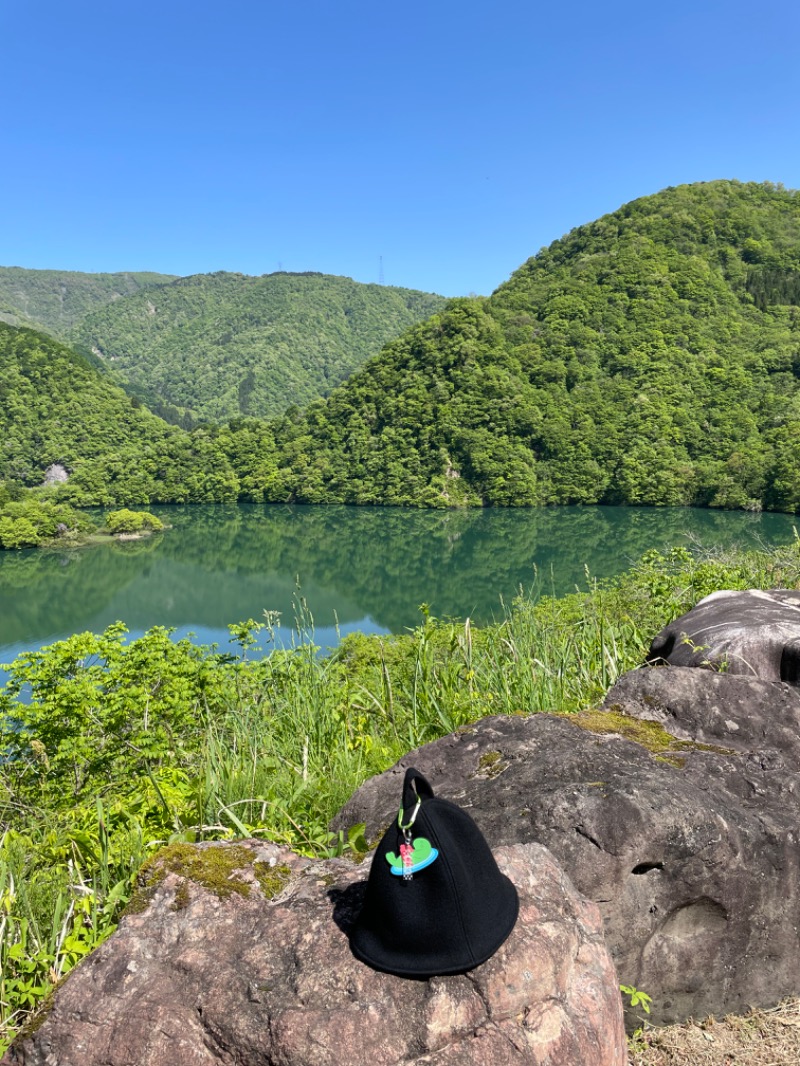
{"x": 435, "y": 901}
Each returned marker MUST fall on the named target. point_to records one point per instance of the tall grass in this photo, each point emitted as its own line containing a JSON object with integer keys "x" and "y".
{"x": 283, "y": 741}
{"x": 60, "y": 897}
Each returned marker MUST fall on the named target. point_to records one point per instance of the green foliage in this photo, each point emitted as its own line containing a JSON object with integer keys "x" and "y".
{"x": 126, "y": 521}
{"x": 218, "y": 346}
{"x": 118, "y": 748}
{"x": 650, "y": 357}
{"x": 18, "y": 533}
{"x": 61, "y": 890}
{"x": 54, "y": 300}
{"x": 106, "y": 715}
{"x": 637, "y": 997}
{"x": 57, "y": 408}
{"x": 29, "y": 521}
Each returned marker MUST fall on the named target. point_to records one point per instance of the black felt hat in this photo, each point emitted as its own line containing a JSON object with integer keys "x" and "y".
{"x": 436, "y": 902}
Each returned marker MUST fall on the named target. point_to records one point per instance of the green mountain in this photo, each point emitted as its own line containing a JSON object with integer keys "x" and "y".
{"x": 650, "y": 357}
{"x": 217, "y": 346}
{"x": 56, "y": 407}
{"x": 54, "y": 300}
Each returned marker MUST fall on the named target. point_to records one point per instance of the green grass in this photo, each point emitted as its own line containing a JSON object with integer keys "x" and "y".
{"x": 124, "y": 747}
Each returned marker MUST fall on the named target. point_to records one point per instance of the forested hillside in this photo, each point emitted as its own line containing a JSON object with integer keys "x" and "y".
{"x": 55, "y": 407}
{"x": 217, "y": 346}
{"x": 54, "y": 300}
{"x": 650, "y": 357}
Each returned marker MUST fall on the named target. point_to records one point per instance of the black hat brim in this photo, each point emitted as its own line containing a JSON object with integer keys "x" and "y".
{"x": 370, "y": 947}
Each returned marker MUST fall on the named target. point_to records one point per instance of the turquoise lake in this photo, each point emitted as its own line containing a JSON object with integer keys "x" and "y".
{"x": 365, "y": 569}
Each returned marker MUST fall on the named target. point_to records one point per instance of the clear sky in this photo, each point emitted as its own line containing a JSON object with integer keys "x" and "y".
{"x": 452, "y": 139}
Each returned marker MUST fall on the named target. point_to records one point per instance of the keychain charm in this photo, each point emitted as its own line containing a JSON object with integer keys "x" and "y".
{"x": 406, "y": 851}
{"x": 415, "y": 855}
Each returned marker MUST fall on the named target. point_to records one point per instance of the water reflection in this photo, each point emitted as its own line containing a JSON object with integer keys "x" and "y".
{"x": 368, "y": 568}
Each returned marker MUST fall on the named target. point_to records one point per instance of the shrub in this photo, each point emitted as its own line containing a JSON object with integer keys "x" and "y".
{"x": 126, "y": 521}
{"x": 18, "y": 533}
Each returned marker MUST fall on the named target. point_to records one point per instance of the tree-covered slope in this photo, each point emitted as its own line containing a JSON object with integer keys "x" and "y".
{"x": 651, "y": 357}
{"x": 224, "y": 345}
{"x": 54, "y": 300}
{"x": 57, "y": 408}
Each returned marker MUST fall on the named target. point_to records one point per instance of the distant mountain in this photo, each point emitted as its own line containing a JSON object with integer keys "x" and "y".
{"x": 54, "y": 300}
{"x": 650, "y": 357}
{"x": 56, "y": 407}
{"x": 219, "y": 346}
{"x": 59, "y": 408}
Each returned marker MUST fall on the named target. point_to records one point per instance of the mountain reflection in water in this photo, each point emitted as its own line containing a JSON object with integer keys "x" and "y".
{"x": 370, "y": 568}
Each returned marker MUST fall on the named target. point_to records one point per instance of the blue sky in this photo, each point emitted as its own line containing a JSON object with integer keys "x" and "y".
{"x": 451, "y": 139}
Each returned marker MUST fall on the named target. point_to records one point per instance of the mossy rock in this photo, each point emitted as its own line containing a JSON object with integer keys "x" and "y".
{"x": 182, "y": 897}
{"x": 649, "y": 735}
{"x": 214, "y": 868}
{"x": 271, "y": 879}
{"x": 491, "y": 764}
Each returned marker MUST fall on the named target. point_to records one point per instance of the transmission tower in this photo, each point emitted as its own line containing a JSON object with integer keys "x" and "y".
{"x": 380, "y": 270}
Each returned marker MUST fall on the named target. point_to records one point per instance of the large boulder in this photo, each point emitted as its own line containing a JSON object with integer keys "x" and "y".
{"x": 742, "y": 714}
{"x": 753, "y": 633}
{"x": 683, "y": 829}
{"x": 239, "y": 954}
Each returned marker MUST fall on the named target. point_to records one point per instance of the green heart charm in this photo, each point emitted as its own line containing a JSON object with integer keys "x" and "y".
{"x": 422, "y": 855}
{"x": 422, "y": 849}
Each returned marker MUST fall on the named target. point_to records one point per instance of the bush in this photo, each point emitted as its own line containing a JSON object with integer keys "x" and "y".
{"x": 28, "y": 520}
{"x": 18, "y": 533}
{"x": 126, "y": 521}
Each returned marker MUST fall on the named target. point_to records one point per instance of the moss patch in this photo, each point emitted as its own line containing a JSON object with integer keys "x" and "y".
{"x": 649, "y": 735}
{"x": 272, "y": 879}
{"x": 181, "y": 901}
{"x": 491, "y": 765}
{"x": 212, "y": 868}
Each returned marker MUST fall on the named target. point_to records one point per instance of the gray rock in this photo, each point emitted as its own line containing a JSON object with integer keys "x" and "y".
{"x": 744, "y": 714}
{"x": 265, "y": 976}
{"x": 55, "y": 474}
{"x": 691, "y": 854}
{"x": 753, "y": 633}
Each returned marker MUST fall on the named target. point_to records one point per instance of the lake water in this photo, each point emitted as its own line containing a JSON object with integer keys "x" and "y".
{"x": 365, "y": 569}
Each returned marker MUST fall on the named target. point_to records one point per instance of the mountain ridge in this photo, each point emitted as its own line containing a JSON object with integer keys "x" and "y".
{"x": 53, "y": 300}
{"x": 223, "y": 345}
{"x": 651, "y": 357}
